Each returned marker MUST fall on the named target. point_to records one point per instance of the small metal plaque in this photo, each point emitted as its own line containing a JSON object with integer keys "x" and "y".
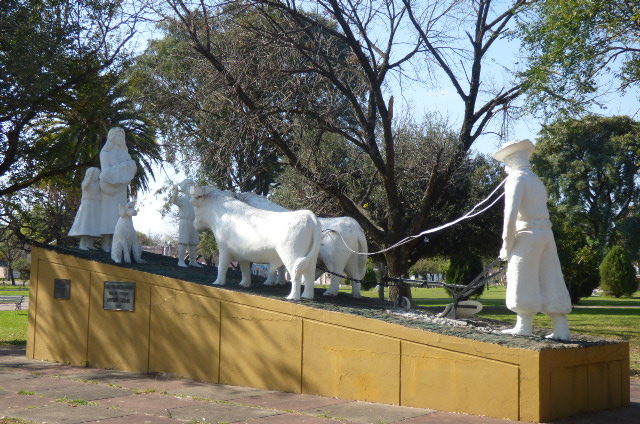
{"x": 61, "y": 289}
{"x": 119, "y": 295}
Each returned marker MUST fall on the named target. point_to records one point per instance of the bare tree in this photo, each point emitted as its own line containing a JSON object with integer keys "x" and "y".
{"x": 314, "y": 77}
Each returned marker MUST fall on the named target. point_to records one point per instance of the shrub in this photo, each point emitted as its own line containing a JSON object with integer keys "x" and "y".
{"x": 617, "y": 275}
{"x": 464, "y": 269}
{"x": 580, "y": 258}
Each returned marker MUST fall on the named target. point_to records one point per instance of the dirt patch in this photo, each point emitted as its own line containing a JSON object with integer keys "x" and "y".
{"x": 480, "y": 329}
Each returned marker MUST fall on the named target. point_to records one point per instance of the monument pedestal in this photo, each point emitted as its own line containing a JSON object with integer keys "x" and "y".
{"x": 164, "y": 324}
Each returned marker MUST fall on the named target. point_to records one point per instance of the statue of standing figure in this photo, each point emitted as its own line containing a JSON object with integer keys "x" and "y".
{"x": 534, "y": 277}
{"x": 188, "y": 237}
{"x": 118, "y": 169}
{"x": 86, "y": 224}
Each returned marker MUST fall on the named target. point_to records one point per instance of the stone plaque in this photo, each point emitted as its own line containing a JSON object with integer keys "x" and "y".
{"x": 61, "y": 289}
{"x": 119, "y": 295}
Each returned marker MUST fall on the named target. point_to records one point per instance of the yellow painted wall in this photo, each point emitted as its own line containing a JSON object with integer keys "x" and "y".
{"x": 62, "y": 331}
{"x": 184, "y": 334}
{"x": 466, "y": 375}
{"x": 230, "y": 337}
{"x": 350, "y": 364}
{"x": 260, "y": 348}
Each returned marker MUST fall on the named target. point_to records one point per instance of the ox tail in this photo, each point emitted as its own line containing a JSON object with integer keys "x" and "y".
{"x": 363, "y": 251}
{"x": 301, "y": 263}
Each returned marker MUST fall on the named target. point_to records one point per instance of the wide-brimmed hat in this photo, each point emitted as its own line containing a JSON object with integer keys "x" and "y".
{"x": 512, "y": 147}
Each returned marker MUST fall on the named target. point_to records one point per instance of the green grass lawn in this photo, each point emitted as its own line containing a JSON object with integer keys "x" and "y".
{"x": 13, "y": 292}
{"x": 13, "y": 327}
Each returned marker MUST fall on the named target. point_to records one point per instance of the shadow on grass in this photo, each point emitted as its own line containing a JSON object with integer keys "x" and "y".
{"x": 612, "y": 303}
{"x": 14, "y": 342}
{"x": 631, "y": 312}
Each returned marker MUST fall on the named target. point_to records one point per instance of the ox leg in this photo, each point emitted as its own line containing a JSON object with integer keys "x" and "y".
{"x": 295, "y": 290}
{"x": 245, "y": 267}
{"x": 308, "y": 281}
{"x": 221, "y": 280}
{"x": 296, "y": 286}
{"x": 282, "y": 276}
{"x": 353, "y": 272}
{"x": 334, "y": 288}
{"x": 271, "y": 277}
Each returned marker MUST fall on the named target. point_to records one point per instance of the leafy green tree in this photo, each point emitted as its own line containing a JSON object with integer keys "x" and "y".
{"x": 617, "y": 274}
{"x": 51, "y": 50}
{"x": 45, "y": 209}
{"x": 11, "y": 248}
{"x": 571, "y": 43}
{"x": 590, "y": 169}
{"x": 23, "y": 266}
{"x": 580, "y": 257}
{"x": 437, "y": 265}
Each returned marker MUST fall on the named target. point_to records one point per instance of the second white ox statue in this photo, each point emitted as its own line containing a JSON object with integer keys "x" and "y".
{"x": 247, "y": 234}
{"x": 342, "y": 238}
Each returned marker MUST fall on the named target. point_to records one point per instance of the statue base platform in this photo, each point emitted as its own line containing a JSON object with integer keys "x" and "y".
{"x": 87, "y": 311}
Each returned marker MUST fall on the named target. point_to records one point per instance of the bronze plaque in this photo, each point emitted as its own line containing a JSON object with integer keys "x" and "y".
{"x": 61, "y": 289}
{"x": 119, "y": 295}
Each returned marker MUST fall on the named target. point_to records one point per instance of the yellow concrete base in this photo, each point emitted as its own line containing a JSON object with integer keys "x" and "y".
{"x": 229, "y": 337}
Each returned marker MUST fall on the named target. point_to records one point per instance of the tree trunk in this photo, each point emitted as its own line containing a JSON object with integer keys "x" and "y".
{"x": 396, "y": 268}
{"x": 10, "y": 271}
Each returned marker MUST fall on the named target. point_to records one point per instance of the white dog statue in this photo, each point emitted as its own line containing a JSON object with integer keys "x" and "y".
{"x": 125, "y": 239}
{"x": 247, "y": 234}
{"x": 342, "y": 237}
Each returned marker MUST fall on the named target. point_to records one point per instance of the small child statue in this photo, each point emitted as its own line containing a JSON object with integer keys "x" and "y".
{"x": 86, "y": 224}
{"x": 188, "y": 237}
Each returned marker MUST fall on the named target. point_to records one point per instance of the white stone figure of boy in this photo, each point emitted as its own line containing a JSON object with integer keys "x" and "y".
{"x": 188, "y": 237}
{"x": 86, "y": 224}
{"x": 534, "y": 277}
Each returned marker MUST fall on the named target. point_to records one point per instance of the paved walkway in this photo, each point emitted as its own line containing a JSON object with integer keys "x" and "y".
{"x": 45, "y": 392}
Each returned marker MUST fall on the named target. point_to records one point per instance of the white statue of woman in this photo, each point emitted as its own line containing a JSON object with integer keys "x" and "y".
{"x": 534, "y": 277}
{"x": 118, "y": 169}
{"x": 188, "y": 237}
{"x": 86, "y": 224}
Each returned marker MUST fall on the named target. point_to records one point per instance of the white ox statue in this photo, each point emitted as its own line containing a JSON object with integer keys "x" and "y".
{"x": 342, "y": 237}
{"x": 247, "y": 234}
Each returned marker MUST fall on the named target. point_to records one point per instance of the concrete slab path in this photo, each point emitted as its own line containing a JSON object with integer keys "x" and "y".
{"x": 43, "y": 392}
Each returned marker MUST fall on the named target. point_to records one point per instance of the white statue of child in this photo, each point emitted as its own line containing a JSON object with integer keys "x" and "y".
{"x": 534, "y": 277}
{"x": 118, "y": 169}
{"x": 188, "y": 237}
{"x": 86, "y": 224}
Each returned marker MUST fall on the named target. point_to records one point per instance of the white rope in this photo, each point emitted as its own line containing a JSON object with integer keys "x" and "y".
{"x": 468, "y": 215}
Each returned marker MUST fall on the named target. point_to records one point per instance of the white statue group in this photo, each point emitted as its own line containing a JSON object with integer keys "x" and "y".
{"x": 250, "y": 228}
{"x": 247, "y": 227}
{"x": 105, "y": 200}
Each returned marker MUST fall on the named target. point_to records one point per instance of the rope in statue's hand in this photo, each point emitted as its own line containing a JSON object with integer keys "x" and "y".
{"x": 472, "y": 213}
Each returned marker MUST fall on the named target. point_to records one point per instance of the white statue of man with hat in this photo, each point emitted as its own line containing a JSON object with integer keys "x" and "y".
{"x": 534, "y": 277}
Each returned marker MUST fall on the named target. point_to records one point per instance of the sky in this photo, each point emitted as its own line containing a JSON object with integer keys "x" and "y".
{"x": 417, "y": 100}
